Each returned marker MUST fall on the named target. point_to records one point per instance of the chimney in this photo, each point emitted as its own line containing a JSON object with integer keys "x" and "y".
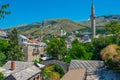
{"x": 12, "y": 65}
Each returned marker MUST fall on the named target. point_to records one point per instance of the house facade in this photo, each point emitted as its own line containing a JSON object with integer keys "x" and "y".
{"x": 32, "y": 48}
{"x": 33, "y": 52}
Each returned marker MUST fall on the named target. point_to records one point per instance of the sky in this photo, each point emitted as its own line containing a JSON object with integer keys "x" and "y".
{"x": 30, "y": 11}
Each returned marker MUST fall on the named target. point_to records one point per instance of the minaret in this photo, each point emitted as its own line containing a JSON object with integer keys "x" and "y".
{"x": 93, "y": 21}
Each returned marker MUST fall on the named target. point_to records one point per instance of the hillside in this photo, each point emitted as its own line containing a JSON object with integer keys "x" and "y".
{"x": 49, "y": 27}
{"x": 100, "y": 22}
{"x": 53, "y": 26}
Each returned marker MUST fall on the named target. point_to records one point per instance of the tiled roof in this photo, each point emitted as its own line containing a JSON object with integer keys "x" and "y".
{"x": 92, "y": 67}
{"x": 26, "y": 73}
{"x": 33, "y": 41}
{"x": 96, "y": 70}
{"x": 86, "y": 64}
{"x": 19, "y": 65}
{"x": 1, "y": 31}
{"x": 23, "y": 70}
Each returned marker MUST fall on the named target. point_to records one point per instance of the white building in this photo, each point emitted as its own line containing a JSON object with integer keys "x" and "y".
{"x": 63, "y": 32}
{"x": 86, "y": 39}
{"x": 22, "y": 39}
{"x": 3, "y": 34}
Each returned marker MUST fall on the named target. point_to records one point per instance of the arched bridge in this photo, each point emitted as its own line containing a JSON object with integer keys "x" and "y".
{"x": 63, "y": 65}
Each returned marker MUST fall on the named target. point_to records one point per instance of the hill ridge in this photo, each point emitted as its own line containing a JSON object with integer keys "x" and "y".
{"x": 53, "y": 26}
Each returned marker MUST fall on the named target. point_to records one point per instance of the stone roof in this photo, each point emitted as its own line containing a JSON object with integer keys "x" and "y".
{"x": 86, "y": 64}
{"x": 22, "y": 36}
{"x": 96, "y": 70}
{"x": 78, "y": 74}
{"x": 22, "y": 71}
{"x": 26, "y": 73}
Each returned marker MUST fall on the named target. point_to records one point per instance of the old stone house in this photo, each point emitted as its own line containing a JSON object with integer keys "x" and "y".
{"x": 32, "y": 48}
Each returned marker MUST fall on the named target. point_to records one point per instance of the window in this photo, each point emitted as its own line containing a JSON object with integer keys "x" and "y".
{"x": 35, "y": 47}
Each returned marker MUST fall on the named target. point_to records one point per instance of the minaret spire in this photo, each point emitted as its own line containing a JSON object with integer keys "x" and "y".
{"x": 92, "y": 9}
{"x": 93, "y": 20}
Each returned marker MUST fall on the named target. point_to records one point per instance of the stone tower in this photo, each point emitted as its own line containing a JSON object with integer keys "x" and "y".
{"x": 92, "y": 17}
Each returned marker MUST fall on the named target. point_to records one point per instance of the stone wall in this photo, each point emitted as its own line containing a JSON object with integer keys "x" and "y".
{"x": 31, "y": 53}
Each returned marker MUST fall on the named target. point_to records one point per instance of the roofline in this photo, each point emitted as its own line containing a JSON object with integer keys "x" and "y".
{"x": 34, "y": 75}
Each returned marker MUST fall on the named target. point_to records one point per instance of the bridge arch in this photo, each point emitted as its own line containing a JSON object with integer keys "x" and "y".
{"x": 63, "y": 65}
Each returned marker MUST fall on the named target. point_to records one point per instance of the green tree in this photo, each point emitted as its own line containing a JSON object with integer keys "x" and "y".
{"x": 113, "y": 28}
{"x": 15, "y": 50}
{"x": 2, "y": 77}
{"x": 3, "y": 51}
{"x": 4, "y": 47}
{"x": 79, "y": 51}
{"x": 2, "y": 58}
{"x": 75, "y": 42}
{"x": 99, "y": 43}
{"x": 3, "y": 11}
{"x": 59, "y": 70}
{"x": 56, "y": 47}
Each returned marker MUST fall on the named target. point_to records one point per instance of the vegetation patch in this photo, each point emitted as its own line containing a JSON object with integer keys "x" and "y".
{"x": 111, "y": 56}
{"x": 53, "y": 72}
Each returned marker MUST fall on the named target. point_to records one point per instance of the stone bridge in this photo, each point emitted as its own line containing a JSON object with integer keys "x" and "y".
{"x": 63, "y": 65}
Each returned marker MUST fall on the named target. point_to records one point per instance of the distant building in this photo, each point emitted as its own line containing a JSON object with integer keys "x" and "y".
{"x": 86, "y": 39}
{"x": 75, "y": 32}
{"x": 22, "y": 39}
{"x": 62, "y": 32}
{"x": 69, "y": 42}
{"x": 17, "y": 70}
{"x": 71, "y": 38}
{"x": 69, "y": 45}
{"x": 3, "y": 34}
